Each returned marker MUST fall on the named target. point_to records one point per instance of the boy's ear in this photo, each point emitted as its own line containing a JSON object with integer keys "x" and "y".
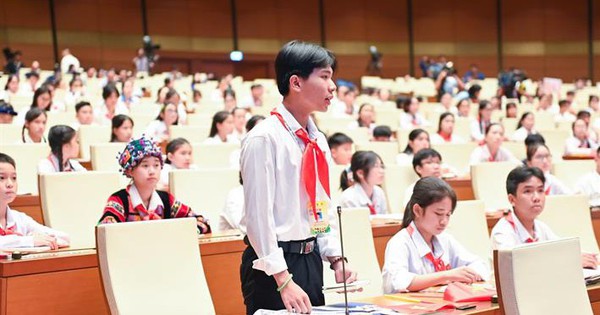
{"x": 512, "y": 199}
{"x": 295, "y": 83}
{"x": 418, "y": 169}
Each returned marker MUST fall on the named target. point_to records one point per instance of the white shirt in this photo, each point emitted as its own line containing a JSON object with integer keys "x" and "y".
{"x": 28, "y": 139}
{"x": 101, "y": 115}
{"x": 355, "y": 196}
{"x": 477, "y": 134}
{"x": 26, "y": 226}
{"x": 50, "y": 165}
{"x": 408, "y": 194}
{"x": 572, "y": 146}
{"x": 554, "y": 186}
{"x": 409, "y": 122}
{"x": 482, "y": 154}
{"x": 520, "y": 134}
{"x": 437, "y": 139}
{"x": 505, "y": 236}
{"x": 232, "y": 211}
{"x": 404, "y": 158}
{"x": 405, "y": 258}
{"x": 566, "y": 116}
{"x": 589, "y": 185}
{"x": 67, "y": 61}
{"x": 217, "y": 140}
{"x": 274, "y": 195}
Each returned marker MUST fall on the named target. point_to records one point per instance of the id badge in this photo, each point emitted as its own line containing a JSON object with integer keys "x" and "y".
{"x": 321, "y": 225}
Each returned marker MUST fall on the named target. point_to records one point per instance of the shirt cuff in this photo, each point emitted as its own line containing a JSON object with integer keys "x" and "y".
{"x": 272, "y": 263}
{"x": 400, "y": 282}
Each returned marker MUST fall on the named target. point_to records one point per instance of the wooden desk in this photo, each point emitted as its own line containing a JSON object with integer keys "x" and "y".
{"x": 463, "y": 187}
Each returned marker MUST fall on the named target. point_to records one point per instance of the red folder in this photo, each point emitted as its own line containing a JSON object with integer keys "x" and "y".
{"x": 460, "y": 292}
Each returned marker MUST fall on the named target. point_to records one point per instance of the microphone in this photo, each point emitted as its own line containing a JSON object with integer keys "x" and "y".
{"x": 339, "y": 211}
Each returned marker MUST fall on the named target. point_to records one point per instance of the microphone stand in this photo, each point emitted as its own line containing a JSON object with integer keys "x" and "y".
{"x": 339, "y": 211}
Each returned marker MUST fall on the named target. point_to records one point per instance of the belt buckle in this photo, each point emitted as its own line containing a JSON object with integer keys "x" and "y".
{"x": 307, "y": 247}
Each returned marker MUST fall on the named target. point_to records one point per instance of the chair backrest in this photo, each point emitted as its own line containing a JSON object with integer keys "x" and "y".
{"x": 193, "y": 134}
{"x": 208, "y": 201}
{"x": 388, "y": 151}
{"x": 89, "y": 135}
{"x": 73, "y": 202}
{"x": 214, "y": 155}
{"x": 510, "y": 125}
{"x": 359, "y": 248}
{"x": 146, "y": 278}
{"x": 468, "y": 225}
{"x": 140, "y": 123}
{"x": 456, "y": 155}
{"x": 10, "y": 133}
{"x": 27, "y": 156}
{"x": 532, "y": 280}
{"x": 462, "y": 127}
{"x": 200, "y": 120}
{"x": 555, "y": 141}
{"x": 569, "y": 216}
{"x": 489, "y": 184}
{"x": 397, "y": 179}
{"x": 104, "y": 156}
{"x": 516, "y": 148}
{"x": 335, "y": 173}
{"x": 570, "y": 172}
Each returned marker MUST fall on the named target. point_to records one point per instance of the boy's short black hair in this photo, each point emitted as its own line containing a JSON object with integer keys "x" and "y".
{"x": 80, "y": 105}
{"x": 422, "y": 155}
{"x": 108, "y": 90}
{"x": 534, "y": 138}
{"x": 562, "y": 103}
{"x": 583, "y": 114}
{"x": 337, "y": 139}
{"x": 522, "y": 174}
{"x": 382, "y": 131}
{"x": 300, "y": 58}
{"x": 5, "y": 158}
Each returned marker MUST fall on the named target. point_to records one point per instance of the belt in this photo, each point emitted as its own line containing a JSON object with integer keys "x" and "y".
{"x": 306, "y": 246}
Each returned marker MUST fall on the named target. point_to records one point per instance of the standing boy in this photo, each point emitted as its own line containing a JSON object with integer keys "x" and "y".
{"x": 288, "y": 212}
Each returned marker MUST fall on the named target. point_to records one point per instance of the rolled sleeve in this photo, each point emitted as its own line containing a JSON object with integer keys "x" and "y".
{"x": 257, "y": 167}
{"x": 396, "y": 274}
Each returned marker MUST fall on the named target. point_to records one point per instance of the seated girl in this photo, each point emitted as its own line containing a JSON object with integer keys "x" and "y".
{"x": 367, "y": 173}
{"x": 140, "y": 201}
{"x": 366, "y": 117}
{"x": 525, "y": 189}
{"x": 421, "y": 255}
{"x": 34, "y": 127}
{"x": 418, "y": 139}
{"x": 445, "y": 133}
{"x": 16, "y": 228}
{"x": 491, "y": 150}
{"x": 64, "y": 148}
{"x": 121, "y": 128}
{"x": 221, "y": 130}
{"x": 538, "y": 155}
{"x": 158, "y": 129}
{"x": 179, "y": 156}
{"x": 525, "y": 127}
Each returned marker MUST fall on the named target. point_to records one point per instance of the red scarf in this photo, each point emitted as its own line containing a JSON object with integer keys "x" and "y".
{"x": 311, "y": 154}
{"x": 438, "y": 263}
{"x": 446, "y": 137}
{"x": 10, "y": 231}
{"x": 511, "y": 221}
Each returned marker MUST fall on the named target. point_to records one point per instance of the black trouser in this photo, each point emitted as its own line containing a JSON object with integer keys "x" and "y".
{"x": 260, "y": 290}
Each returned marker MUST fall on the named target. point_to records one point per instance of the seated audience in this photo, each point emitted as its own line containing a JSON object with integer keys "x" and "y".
{"x": 580, "y": 143}
{"x": 445, "y": 133}
{"x": 121, "y": 128}
{"x": 7, "y": 113}
{"x": 84, "y": 113}
{"x": 538, "y": 155}
{"x": 525, "y": 127}
{"x": 35, "y": 126}
{"x": 221, "y": 130}
{"x": 341, "y": 148}
{"x": 368, "y": 173}
{"x": 64, "y": 149}
{"x": 382, "y": 134}
{"x": 589, "y": 184}
{"x": 179, "y": 156}
{"x": 158, "y": 129}
{"x": 418, "y": 139}
{"x": 491, "y": 150}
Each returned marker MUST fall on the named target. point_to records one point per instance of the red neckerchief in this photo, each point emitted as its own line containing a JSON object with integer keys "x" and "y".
{"x": 511, "y": 221}
{"x": 446, "y": 137}
{"x": 547, "y": 191}
{"x": 311, "y": 154}
{"x": 10, "y": 231}
{"x": 438, "y": 263}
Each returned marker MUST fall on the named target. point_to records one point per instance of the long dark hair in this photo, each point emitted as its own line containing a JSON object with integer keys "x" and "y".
{"x": 525, "y": 114}
{"x": 10, "y": 77}
{"x": 117, "y": 122}
{"x": 173, "y": 146}
{"x": 218, "y": 118}
{"x": 532, "y": 148}
{"x": 427, "y": 191}
{"x": 41, "y": 90}
{"x": 58, "y": 136}
{"x": 361, "y": 160}
{"x": 31, "y": 115}
{"x": 360, "y": 122}
{"x": 442, "y": 116}
{"x": 411, "y": 137}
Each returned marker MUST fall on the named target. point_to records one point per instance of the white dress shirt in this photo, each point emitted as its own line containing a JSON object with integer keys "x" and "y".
{"x": 50, "y": 165}
{"x": 232, "y": 211}
{"x": 482, "y": 154}
{"x": 355, "y": 196}
{"x": 405, "y": 258}
{"x": 101, "y": 116}
{"x": 26, "y": 227}
{"x": 409, "y": 122}
{"x": 455, "y": 139}
{"x": 589, "y": 185}
{"x": 506, "y": 236}
{"x": 553, "y": 186}
{"x": 157, "y": 130}
{"x": 477, "y": 133}
{"x": 572, "y": 146}
{"x": 217, "y": 140}
{"x": 404, "y": 158}
{"x": 520, "y": 134}
{"x": 274, "y": 194}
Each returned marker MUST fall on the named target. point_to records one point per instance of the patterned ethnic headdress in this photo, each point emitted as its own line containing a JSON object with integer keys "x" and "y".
{"x": 135, "y": 151}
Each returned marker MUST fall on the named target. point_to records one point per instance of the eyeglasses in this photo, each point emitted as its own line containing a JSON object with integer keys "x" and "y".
{"x": 541, "y": 157}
